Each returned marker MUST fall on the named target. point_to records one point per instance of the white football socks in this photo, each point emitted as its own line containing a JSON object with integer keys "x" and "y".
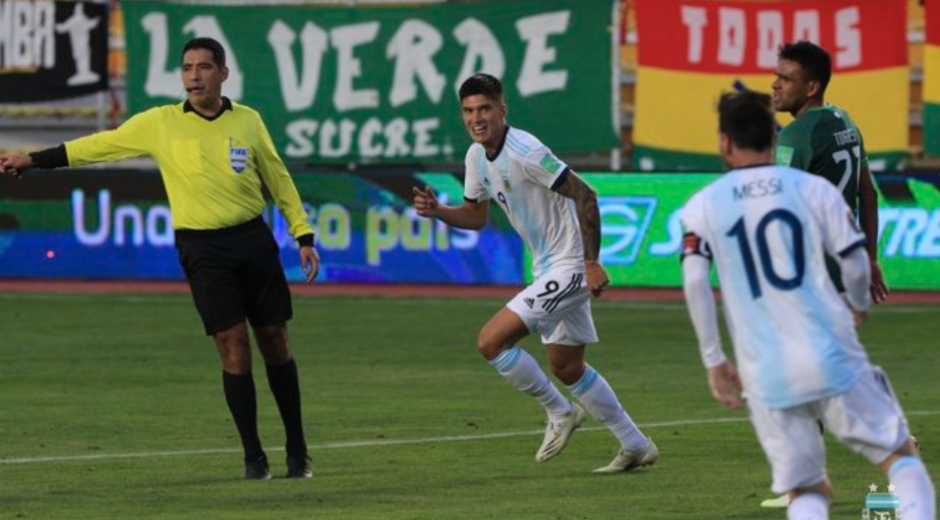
{"x": 914, "y": 489}
{"x": 808, "y": 506}
{"x": 524, "y": 374}
{"x": 598, "y": 398}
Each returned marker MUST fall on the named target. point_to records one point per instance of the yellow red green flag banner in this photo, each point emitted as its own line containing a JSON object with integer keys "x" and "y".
{"x": 932, "y": 78}
{"x": 690, "y": 51}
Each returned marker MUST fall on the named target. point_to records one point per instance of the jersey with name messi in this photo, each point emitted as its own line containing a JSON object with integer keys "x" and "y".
{"x": 825, "y": 141}
{"x": 212, "y": 169}
{"x": 520, "y": 180}
{"x": 766, "y": 229}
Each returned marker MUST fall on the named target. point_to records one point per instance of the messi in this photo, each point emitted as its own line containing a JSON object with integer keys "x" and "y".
{"x": 758, "y": 188}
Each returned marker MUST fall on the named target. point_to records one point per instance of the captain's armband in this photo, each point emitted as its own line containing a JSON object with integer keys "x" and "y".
{"x": 693, "y": 244}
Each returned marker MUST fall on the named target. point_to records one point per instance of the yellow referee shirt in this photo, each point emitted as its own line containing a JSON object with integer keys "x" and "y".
{"x": 212, "y": 169}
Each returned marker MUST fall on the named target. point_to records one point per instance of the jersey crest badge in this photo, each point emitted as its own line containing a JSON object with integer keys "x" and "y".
{"x": 504, "y": 174}
{"x": 237, "y": 155}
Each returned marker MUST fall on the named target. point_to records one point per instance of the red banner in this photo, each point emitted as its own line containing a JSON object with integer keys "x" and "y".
{"x": 931, "y": 84}
{"x": 932, "y": 22}
{"x": 690, "y": 51}
{"x": 743, "y": 37}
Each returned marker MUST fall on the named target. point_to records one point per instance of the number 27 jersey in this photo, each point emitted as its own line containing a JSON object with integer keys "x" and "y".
{"x": 766, "y": 229}
{"x": 825, "y": 141}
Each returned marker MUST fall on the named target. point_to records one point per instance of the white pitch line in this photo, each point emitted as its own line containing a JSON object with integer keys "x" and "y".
{"x": 374, "y": 443}
{"x": 494, "y": 302}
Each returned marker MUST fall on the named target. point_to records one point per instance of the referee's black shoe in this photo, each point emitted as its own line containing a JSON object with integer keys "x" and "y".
{"x": 299, "y": 467}
{"x": 256, "y": 468}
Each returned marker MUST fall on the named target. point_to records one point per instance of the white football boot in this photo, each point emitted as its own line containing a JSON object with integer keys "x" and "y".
{"x": 627, "y": 460}
{"x": 558, "y": 431}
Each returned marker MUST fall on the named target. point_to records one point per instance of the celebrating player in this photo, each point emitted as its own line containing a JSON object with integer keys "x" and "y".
{"x": 557, "y": 216}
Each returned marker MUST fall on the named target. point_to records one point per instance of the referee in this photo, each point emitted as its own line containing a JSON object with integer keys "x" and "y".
{"x": 214, "y": 155}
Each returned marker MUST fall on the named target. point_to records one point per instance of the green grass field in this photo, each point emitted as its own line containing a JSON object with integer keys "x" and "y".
{"x": 111, "y": 407}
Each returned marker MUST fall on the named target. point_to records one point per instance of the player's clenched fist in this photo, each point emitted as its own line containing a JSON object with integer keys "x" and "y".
{"x": 596, "y": 276}
{"x": 425, "y": 201}
{"x": 14, "y": 164}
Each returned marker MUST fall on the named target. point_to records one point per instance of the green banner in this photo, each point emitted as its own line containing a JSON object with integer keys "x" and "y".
{"x": 379, "y": 84}
{"x": 642, "y": 236}
{"x": 909, "y": 231}
{"x": 932, "y": 127}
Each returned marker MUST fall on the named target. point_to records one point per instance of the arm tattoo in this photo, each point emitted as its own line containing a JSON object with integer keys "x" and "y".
{"x": 589, "y": 216}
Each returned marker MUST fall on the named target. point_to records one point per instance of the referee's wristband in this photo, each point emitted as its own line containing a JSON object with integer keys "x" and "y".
{"x": 305, "y": 240}
{"x": 50, "y": 158}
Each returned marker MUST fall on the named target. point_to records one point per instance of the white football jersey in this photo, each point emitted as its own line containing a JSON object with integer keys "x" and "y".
{"x": 766, "y": 228}
{"x": 520, "y": 180}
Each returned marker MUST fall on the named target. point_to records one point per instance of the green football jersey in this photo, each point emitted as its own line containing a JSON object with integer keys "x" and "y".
{"x": 825, "y": 141}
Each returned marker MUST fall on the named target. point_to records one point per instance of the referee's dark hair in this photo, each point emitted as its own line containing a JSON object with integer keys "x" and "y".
{"x": 813, "y": 59}
{"x": 209, "y": 44}
{"x": 747, "y": 118}
{"x": 484, "y": 84}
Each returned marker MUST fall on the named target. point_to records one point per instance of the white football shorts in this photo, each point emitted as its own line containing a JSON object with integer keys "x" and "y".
{"x": 558, "y": 306}
{"x": 867, "y": 419}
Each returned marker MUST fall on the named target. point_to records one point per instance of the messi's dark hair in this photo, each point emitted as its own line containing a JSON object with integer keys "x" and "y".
{"x": 747, "y": 117}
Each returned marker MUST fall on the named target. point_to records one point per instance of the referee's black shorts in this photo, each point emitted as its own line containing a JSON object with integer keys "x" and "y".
{"x": 235, "y": 273}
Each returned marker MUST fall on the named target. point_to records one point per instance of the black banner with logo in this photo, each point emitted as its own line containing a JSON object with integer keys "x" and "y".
{"x": 52, "y": 50}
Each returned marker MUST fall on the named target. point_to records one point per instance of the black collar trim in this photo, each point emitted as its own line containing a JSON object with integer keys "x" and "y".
{"x": 499, "y": 149}
{"x": 226, "y": 105}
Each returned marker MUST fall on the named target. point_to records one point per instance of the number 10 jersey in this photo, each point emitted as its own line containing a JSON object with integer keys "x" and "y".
{"x": 766, "y": 229}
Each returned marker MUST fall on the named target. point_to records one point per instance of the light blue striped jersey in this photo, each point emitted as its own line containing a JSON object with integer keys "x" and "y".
{"x": 520, "y": 180}
{"x": 766, "y": 228}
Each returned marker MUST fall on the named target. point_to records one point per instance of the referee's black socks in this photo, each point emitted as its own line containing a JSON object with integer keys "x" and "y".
{"x": 240, "y": 396}
{"x": 285, "y": 385}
